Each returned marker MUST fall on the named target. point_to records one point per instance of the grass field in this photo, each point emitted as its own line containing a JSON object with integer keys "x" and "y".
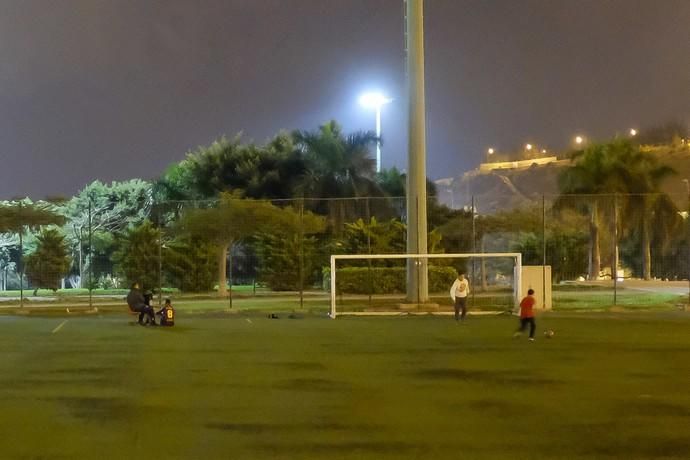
{"x": 244, "y": 386}
{"x": 250, "y": 298}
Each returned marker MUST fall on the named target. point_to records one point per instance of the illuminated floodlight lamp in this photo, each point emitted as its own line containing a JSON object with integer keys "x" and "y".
{"x": 375, "y": 101}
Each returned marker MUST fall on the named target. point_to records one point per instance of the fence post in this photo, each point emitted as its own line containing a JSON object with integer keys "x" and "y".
{"x": 160, "y": 255}
{"x": 474, "y": 251}
{"x": 301, "y": 254}
{"x": 229, "y": 276}
{"x": 368, "y": 232}
{"x": 687, "y": 237}
{"x": 543, "y": 252}
{"x": 417, "y": 262}
{"x": 614, "y": 269}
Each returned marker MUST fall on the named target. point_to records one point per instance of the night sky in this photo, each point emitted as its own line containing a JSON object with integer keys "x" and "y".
{"x": 110, "y": 90}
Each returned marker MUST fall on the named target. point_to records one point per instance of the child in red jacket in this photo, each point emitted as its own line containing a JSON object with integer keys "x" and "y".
{"x": 527, "y": 315}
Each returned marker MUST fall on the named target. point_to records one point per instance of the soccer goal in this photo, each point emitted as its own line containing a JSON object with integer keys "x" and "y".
{"x": 376, "y": 284}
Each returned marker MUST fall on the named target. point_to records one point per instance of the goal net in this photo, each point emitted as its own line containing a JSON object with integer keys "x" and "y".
{"x": 377, "y": 284}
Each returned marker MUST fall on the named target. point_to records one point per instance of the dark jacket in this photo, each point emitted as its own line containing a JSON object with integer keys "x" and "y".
{"x": 135, "y": 299}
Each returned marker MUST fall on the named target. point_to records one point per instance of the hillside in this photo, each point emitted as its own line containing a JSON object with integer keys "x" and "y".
{"x": 510, "y": 188}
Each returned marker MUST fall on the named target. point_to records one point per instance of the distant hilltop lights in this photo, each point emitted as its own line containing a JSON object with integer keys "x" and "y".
{"x": 578, "y": 140}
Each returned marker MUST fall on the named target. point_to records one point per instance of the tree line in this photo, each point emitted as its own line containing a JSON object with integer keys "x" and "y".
{"x": 301, "y": 196}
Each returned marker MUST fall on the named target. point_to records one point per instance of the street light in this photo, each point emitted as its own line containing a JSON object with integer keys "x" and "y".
{"x": 375, "y": 101}
{"x": 579, "y": 140}
{"x": 79, "y": 231}
{"x": 633, "y": 132}
{"x": 528, "y": 146}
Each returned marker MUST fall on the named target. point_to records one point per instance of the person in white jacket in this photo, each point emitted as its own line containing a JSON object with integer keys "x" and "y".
{"x": 459, "y": 292}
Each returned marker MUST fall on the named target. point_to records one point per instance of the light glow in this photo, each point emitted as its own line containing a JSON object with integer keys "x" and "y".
{"x": 373, "y": 100}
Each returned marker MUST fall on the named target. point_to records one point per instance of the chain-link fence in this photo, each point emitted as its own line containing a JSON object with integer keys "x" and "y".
{"x": 604, "y": 250}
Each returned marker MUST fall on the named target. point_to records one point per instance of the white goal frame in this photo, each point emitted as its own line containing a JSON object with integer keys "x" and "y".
{"x": 517, "y": 288}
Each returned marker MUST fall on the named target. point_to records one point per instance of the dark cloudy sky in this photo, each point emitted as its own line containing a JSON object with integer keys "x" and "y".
{"x": 113, "y": 89}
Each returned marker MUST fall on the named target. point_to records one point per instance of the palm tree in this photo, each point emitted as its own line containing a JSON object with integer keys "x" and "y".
{"x": 392, "y": 182}
{"x": 596, "y": 171}
{"x": 269, "y": 171}
{"x": 619, "y": 167}
{"x": 338, "y": 166}
{"x": 47, "y": 265}
{"x": 17, "y": 217}
{"x": 651, "y": 212}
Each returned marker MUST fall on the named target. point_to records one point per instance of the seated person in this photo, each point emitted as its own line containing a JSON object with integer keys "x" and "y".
{"x": 138, "y": 303}
{"x": 167, "y": 314}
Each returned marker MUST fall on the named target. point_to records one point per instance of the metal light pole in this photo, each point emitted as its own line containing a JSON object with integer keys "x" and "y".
{"x": 81, "y": 258}
{"x": 417, "y": 272}
{"x": 378, "y": 138}
{"x": 376, "y": 101}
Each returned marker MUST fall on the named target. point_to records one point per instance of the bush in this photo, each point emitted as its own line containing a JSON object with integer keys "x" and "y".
{"x": 280, "y": 259}
{"x": 137, "y": 255}
{"x": 50, "y": 262}
{"x": 191, "y": 264}
{"x": 389, "y": 280}
{"x": 108, "y": 281}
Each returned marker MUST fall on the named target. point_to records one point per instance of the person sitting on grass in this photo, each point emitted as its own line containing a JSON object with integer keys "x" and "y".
{"x": 527, "y": 315}
{"x": 167, "y": 314}
{"x": 137, "y": 303}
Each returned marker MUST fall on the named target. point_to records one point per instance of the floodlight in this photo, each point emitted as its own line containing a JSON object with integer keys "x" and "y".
{"x": 375, "y": 101}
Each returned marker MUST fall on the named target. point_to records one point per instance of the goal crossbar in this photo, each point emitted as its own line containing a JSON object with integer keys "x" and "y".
{"x": 335, "y": 257}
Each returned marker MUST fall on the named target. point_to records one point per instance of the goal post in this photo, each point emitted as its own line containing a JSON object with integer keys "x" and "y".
{"x": 378, "y": 277}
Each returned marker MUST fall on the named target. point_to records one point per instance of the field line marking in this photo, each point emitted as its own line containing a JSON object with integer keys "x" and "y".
{"x": 249, "y": 320}
{"x": 59, "y": 326}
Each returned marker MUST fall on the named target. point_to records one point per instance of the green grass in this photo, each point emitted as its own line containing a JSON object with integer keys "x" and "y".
{"x": 190, "y": 304}
{"x": 603, "y": 300}
{"x": 246, "y": 297}
{"x": 244, "y": 386}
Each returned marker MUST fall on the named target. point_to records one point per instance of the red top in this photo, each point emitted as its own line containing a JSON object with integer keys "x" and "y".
{"x": 526, "y": 307}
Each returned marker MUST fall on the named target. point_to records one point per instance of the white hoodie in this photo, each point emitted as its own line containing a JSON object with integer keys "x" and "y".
{"x": 459, "y": 289}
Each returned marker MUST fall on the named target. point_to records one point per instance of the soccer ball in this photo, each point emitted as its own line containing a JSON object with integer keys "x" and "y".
{"x": 548, "y": 333}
